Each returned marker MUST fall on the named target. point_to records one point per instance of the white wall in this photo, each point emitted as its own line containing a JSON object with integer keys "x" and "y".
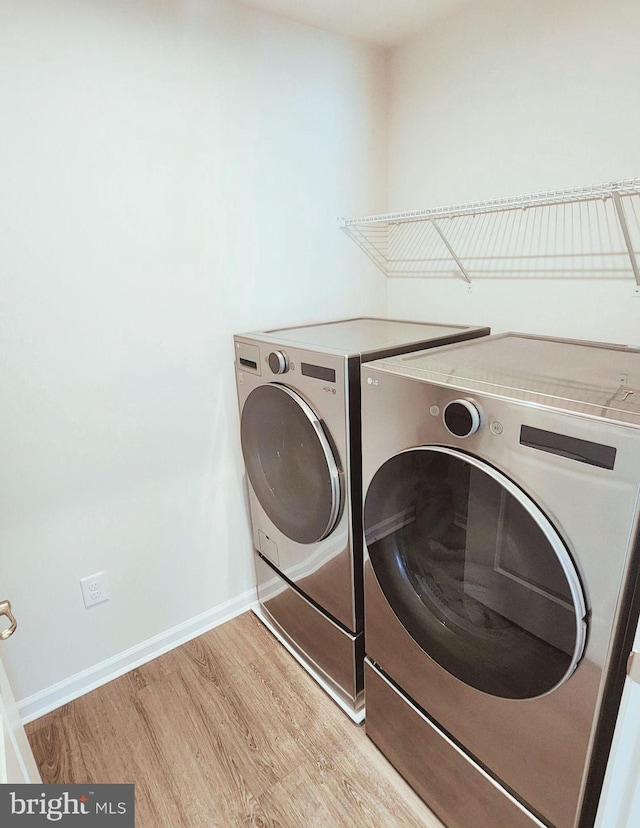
{"x": 170, "y": 176}
{"x": 508, "y": 97}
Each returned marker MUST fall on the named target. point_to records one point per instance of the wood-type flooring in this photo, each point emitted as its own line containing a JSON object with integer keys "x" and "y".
{"x": 223, "y": 732}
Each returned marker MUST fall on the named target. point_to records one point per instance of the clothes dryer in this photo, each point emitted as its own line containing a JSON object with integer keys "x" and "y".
{"x": 299, "y": 399}
{"x": 502, "y": 480}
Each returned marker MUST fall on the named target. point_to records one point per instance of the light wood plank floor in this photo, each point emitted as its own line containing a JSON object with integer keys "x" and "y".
{"x": 227, "y": 731}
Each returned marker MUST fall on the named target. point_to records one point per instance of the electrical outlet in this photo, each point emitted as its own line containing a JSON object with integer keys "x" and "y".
{"x": 94, "y": 589}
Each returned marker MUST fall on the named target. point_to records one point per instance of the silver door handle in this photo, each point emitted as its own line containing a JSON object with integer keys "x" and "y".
{"x": 5, "y": 610}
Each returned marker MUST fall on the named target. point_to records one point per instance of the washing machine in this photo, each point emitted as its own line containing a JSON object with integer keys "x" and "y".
{"x": 502, "y": 481}
{"x": 299, "y": 399}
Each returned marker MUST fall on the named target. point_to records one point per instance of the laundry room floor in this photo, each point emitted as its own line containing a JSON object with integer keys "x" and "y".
{"x": 227, "y": 730}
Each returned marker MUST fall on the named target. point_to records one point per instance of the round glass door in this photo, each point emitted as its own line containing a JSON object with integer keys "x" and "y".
{"x": 475, "y": 572}
{"x": 290, "y": 463}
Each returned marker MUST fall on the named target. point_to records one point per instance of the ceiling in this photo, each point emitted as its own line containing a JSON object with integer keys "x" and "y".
{"x": 385, "y": 22}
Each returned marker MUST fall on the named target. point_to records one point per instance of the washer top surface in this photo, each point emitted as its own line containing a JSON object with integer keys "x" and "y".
{"x": 366, "y": 336}
{"x": 592, "y": 378}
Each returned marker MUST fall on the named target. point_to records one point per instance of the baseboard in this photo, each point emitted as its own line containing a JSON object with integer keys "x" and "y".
{"x": 77, "y": 685}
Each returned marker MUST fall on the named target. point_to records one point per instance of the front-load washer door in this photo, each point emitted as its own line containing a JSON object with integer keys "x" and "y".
{"x": 290, "y": 463}
{"x": 475, "y": 572}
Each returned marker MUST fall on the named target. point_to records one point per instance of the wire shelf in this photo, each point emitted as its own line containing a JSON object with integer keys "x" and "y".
{"x": 590, "y": 232}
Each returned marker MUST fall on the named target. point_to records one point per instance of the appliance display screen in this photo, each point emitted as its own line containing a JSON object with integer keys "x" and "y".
{"x": 584, "y": 451}
{"x": 318, "y": 372}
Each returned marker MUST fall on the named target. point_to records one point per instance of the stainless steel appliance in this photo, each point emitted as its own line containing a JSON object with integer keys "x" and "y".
{"x": 299, "y": 398}
{"x": 502, "y": 481}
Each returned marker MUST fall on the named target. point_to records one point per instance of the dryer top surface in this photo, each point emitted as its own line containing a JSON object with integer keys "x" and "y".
{"x": 592, "y": 378}
{"x": 368, "y": 337}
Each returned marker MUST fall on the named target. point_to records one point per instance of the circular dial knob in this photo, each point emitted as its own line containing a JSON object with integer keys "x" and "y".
{"x": 461, "y": 418}
{"x": 278, "y": 362}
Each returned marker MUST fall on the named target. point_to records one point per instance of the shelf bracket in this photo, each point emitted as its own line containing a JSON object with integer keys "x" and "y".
{"x": 461, "y": 267}
{"x": 627, "y": 238}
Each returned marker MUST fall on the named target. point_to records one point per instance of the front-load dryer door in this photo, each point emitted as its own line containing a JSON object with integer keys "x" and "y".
{"x": 475, "y": 572}
{"x": 290, "y": 463}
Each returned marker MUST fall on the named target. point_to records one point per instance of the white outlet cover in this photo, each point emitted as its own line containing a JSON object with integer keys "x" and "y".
{"x": 95, "y": 589}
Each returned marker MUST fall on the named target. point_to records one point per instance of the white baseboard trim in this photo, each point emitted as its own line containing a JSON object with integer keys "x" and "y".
{"x": 77, "y": 685}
